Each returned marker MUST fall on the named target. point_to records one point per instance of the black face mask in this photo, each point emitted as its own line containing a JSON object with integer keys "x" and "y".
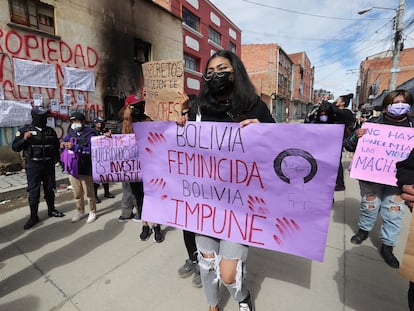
{"x": 220, "y": 83}
{"x": 39, "y": 121}
{"x": 137, "y": 111}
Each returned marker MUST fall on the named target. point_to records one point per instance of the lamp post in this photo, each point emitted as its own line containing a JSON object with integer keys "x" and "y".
{"x": 397, "y": 40}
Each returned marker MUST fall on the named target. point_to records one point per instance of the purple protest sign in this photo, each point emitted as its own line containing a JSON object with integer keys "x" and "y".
{"x": 264, "y": 185}
{"x": 379, "y": 150}
{"x": 115, "y": 158}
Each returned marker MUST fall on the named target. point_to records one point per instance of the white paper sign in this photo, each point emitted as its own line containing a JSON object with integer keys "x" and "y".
{"x": 37, "y": 100}
{"x": 80, "y": 99}
{"x": 67, "y": 99}
{"x": 14, "y": 113}
{"x": 31, "y": 73}
{"x": 50, "y": 122}
{"x": 79, "y": 79}
{"x": 54, "y": 105}
{"x": 64, "y": 110}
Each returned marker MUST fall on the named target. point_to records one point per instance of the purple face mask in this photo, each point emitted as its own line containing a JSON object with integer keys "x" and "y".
{"x": 323, "y": 118}
{"x": 398, "y": 109}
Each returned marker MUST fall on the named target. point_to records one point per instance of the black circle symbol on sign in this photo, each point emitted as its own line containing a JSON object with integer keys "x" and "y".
{"x": 277, "y": 163}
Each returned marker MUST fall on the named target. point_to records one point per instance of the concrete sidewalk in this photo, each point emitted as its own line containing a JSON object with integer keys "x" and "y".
{"x": 102, "y": 266}
{"x": 13, "y": 185}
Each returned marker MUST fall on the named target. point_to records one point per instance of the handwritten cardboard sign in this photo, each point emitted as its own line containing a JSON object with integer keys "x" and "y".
{"x": 163, "y": 80}
{"x": 379, "y": 150}
{"x": 254, "y": 185}
{"x": 115, "y": 159}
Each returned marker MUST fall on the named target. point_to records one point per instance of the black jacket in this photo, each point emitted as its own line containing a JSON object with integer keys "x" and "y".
{"x": 259, "y": 111}
{"x": 405, "y": 171}
{"x": 41, "y": 147}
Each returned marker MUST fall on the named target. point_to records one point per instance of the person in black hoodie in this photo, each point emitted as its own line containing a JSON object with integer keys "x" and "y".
{"x": 345, "y": 116}
{"x": 324, "y": 114}
{"x": 40, "y": 147}
{"x": 134, "y": 111}
{"x": 227, "y": 95}
{"x": 99, "y": 126}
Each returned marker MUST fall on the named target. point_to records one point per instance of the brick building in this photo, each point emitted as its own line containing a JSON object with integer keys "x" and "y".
{"x": 284, "y": 81}
{"x": 375, "y": 73}
{"x": 321, "y": 94}
{"x": 205, "y": 30}
{"x": 303, "y": 78}
{"x": 270, "y": 70}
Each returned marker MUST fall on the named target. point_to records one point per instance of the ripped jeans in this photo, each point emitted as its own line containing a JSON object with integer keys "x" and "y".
{"x": 379, "y": 198}
{"x": 210, "y": 271}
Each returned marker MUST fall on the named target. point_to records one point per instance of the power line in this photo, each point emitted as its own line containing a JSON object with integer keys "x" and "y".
{"x": 307, "y": 14}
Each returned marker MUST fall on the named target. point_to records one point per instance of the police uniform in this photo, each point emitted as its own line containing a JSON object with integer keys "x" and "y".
{"x": 40, "y": 147}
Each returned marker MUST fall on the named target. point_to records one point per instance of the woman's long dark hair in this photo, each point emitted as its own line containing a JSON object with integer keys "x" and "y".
{"x": 347, "y": 98}
{"x": 243, "y": 96}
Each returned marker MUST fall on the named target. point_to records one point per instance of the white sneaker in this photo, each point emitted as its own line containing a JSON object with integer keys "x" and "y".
{"x": 91, "y": 217}
{"x": 78, "y": 216}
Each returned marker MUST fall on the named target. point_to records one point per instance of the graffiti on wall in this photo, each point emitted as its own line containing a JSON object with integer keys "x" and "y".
{"x": 16, "y": 44}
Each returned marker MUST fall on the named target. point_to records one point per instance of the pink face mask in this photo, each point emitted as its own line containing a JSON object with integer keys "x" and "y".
{"x": 398, "y": 109}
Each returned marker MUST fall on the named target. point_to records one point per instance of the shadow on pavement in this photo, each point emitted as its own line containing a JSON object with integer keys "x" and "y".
{"x": 359, "y": 273}
{"x": 72, "y": 251}
{"x": 41, "y": 234}
{"x": 287, "y": 268}
{"x": 25, "y": 303}
{"x": 348, "y": 217}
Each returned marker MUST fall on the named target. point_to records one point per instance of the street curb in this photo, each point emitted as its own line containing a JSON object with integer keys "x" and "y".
{"x": 21, "y": 191}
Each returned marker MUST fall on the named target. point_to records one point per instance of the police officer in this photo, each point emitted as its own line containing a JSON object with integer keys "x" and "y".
{"x": 40, "y": 147}
{"x": 99, "y": 125}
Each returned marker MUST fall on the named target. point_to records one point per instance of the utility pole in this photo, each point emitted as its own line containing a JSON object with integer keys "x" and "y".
{"x": 397, "y": 45}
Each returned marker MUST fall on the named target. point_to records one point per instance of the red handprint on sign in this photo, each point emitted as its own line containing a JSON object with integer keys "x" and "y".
{"x": 285, "y": 227}
{"x": 154, "y": 139}
{"x": 257, "y": 204}
{"x": 159, "y": 184}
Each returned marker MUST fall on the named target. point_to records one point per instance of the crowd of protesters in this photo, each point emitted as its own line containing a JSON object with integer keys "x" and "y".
{"x": 227, "y": 95}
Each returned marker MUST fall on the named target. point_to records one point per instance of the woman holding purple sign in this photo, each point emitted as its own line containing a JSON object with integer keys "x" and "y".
{"x": 78, "y": 143}
{"x": 227, "y": 95}
{"x": 379, "y": 198}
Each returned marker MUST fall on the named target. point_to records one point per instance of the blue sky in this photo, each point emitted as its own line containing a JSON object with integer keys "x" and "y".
{"x": 332, "y": 33}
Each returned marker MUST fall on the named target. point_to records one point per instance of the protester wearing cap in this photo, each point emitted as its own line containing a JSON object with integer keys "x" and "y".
{"x": 40, "y": 147}
{"x": 76, "y": 147}
{"x": 99, "y": 126}
{"x": 133, "y": 192}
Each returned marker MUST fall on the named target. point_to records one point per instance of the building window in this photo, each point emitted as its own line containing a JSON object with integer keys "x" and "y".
{"x": 142, "y": 51}
{"x": 232, "y": 47}
{"x": 190, "y": 63}
{"x": 214, "y": 36}
{"x": 33, "y": 14}
{"x": 142, "y": 54}
{"x": 191, "y": 20}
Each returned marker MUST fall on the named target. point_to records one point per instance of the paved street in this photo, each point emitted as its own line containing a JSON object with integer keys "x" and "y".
{"x": 102, "y": 266}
